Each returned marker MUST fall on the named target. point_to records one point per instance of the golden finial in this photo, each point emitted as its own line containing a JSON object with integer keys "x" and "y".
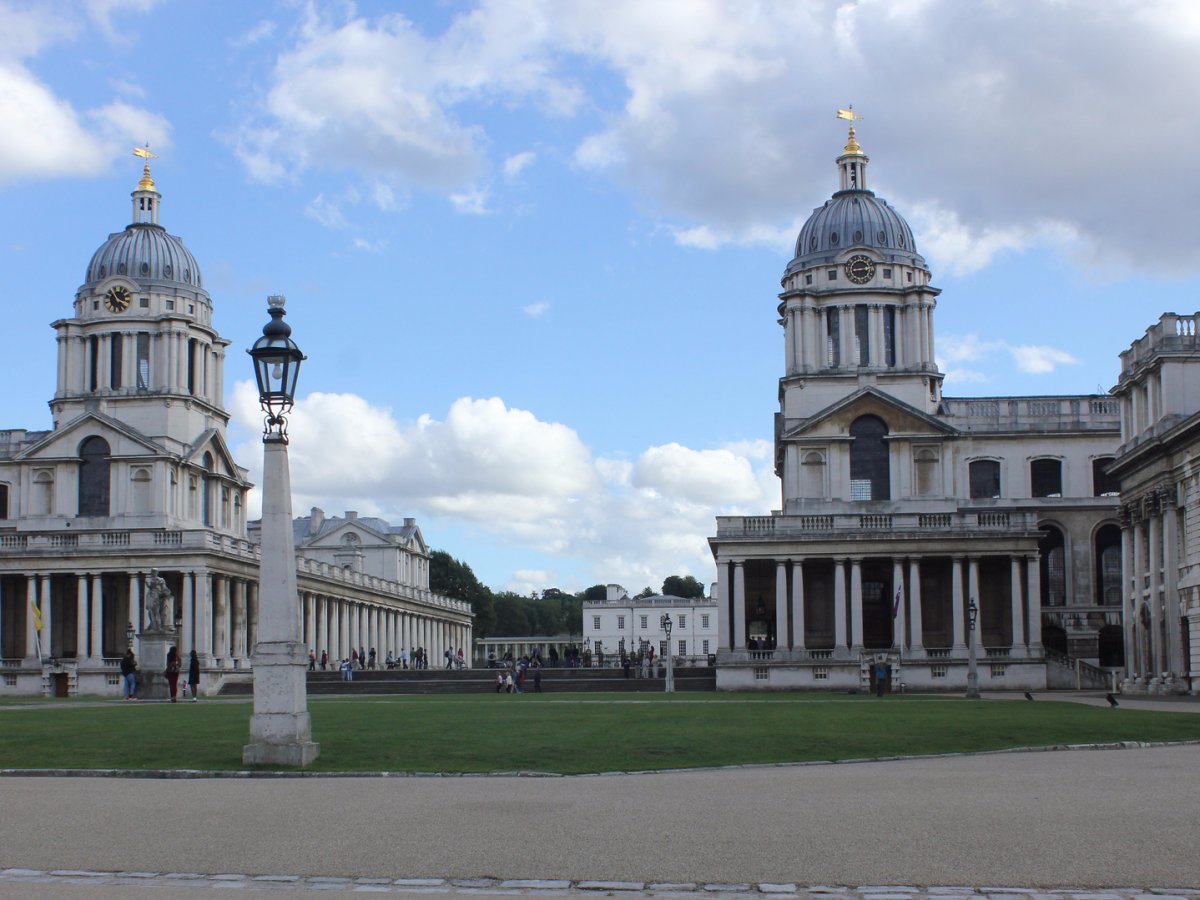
{"x": 852, "y": 145}
{"x": 147, "y": 183}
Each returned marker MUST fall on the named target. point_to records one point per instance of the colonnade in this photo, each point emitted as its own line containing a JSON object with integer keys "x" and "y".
{"x": 338, "y": 625}
{"x": 908, "y": 335}
{"x": 217, "y": 615}
{"x": 906, "y": 602}
{"x": 1149, "y": 547}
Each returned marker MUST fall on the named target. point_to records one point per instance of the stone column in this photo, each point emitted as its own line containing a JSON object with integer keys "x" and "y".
{"x": 798, "y": 642}
{"x": 347, "y": 636}
{"x": 310, "y": 620}
{"x": 47, "y": 624}
{"x": 82, "y": 632}
{"x": 205, "y": 619}
{"x": 1018, "y": 609}
{"x": 1128, "y": 595}
{"x": 188, "y": 605}
{"x": 135, "y": 605}
{"x": 956, "y": 606}
{"x": 856, "y": 608}
{"x": 973, "y": 594}
{"x": 899, "y": 635}
{"x": 839, "y": 607}
{"x": 320, "y": 640}
{"x": 252, "y": 614}
{"x": 240, "y": 636}
{"x": 917, "y": 641}
{"x": 1173, "y": 652}
{"x": 31, "y": 632}
{"x": 1033, "y": 599}
{"x": 97, "y": 618}
{"x": 1155, "y": 566}
{"x": 738, "y": 631}
{"x": 724, "y": 631}
{"x": 781, "y": 605}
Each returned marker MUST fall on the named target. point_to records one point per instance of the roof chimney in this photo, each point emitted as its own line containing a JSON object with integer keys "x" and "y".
{"x": 316, "y": 520}
{"x": 351, "y": 515}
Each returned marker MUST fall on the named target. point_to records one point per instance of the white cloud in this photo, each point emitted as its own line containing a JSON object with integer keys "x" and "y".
{"x": 518, "y": 162}
{"x": 1032, "y": 359}
{"x": 536, "y": 310}
{"x": 45, "y": 135}
{"x": 1040, "y": 360}
{"x": 253, "y": 35}
{"x": 530, "y": 484}
{"x": 472, "y": 202}
{"x": 327, "y": 211}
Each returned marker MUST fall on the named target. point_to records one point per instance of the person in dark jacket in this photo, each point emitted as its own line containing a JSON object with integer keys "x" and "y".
{"x": 172, "y": 672}
{"x": 194, "y": 675}
{"x": 129, "y": 675}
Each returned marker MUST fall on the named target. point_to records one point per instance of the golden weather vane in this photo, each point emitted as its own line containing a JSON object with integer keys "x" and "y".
{"x": 852, "y": 145}
{"x": 144, "y": 152}
{"x": 147, "y": 183}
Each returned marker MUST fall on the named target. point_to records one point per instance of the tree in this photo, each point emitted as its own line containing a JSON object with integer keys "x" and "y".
{"x": 644, "y": 593}
{"x": 455, "y": 579}
{"x": 596, "y": 593}
{"x": 683, "y": 586}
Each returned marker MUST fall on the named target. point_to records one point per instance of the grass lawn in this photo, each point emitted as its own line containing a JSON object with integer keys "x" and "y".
{"x": 567, "y": 733}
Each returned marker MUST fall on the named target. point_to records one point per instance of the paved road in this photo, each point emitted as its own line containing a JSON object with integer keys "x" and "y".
{"x": 1071, "y": 818}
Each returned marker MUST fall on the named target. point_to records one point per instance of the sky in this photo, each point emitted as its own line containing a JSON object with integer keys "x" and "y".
{"x": 532, "y": 248}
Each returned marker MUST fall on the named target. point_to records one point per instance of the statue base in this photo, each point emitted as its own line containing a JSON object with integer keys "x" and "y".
{"x": 152, "y": 660}
{"x": 280, "y": 729}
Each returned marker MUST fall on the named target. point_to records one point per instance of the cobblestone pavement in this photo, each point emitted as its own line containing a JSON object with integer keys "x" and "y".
{"x": 17, "y": 882}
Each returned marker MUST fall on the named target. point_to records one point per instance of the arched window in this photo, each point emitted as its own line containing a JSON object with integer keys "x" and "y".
{"x": 94, "y": 467}
{"x": 928, "y": 471}
{"x": 870, "y": 477}
{"x": 140, "y": 484}
{"x": 41, "y": 499}
{"x": 1108, "y": 566}
{"x": 1103, "y": 484}
{"x": 985, "y": 479}
{"x": 3, "y": 501}
{"x": 812, "y": 475}
{"x": 206, "y": 491}
{"x": 1045, "y": 477}
{"x": 1052, "y": 548}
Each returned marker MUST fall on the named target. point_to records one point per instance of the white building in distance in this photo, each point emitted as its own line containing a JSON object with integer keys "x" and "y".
{"x": 620, "y": 622}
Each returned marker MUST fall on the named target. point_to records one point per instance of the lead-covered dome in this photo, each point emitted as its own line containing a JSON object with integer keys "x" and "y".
{"x": 146, "y": 252}
{"x": 854, "y": 218}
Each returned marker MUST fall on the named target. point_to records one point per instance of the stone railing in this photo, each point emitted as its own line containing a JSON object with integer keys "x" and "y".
{"x": 816, "y": 527}
{"x": 1089, "y": 412}
{"x": 32, "y": 543}
{"x": 1171, "y": 333}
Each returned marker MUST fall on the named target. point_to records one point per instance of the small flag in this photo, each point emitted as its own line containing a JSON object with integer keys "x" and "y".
{"x": 896, "y": 604}
{"x": 37, "y": 615}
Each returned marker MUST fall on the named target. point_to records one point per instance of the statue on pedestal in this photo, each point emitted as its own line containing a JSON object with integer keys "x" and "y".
{"x": 160, "y": 604}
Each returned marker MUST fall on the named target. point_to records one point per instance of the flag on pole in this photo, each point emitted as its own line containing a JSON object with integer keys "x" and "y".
{"x": 896, "y": 604}
{"x": 37, "y": 615}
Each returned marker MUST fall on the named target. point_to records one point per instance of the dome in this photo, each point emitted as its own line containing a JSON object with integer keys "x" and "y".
{"x": 853, "y": 219}
{"x": 145, "y": 252}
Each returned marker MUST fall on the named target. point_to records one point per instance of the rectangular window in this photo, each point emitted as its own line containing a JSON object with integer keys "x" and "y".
{"x": 191, "y": 366}
{"x": 833, "y": 338}
{"x": 143, "y": 362}
{"x": 704, "y": 621}
{"x": 985, "y": 479}
{"x": 1103, "y": 484}
{"x": 3, "y": 501}
{"x": 643, "y": 625}
{"x": 705, "y": 646}
{"x": 889, "y": 336}
{"x": 116, "y": 358}
{"x": 808, "y": 278}
{"x": 595, "y": 623}
{"x": 862, "y": 335}
{"x": 93, "y": 363}
{"x": 683, "y": 621}
{"x": 662, "y": 648}
{"x": 860, "y": 488}
{"x": 761, "y": 673}
{"x": 620, "y": 623}
{"x": 938, "y": 671}
{"x": 998, "y": 671}
{"x": 820, "y": 673}
{"x": 1045, "y": 477}
{"x": 887, "y": 273}
{"x": 832, "y": 273}
{"x": 683, "y": 648}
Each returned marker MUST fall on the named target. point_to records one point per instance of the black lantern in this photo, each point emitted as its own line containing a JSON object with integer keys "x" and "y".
{"x": 129, "y": 635}
{"x": 665, "y": 622}
{"x": 276, "y": 368}
{"x": 178, "y": 618}
{"x": 972, "y": 612}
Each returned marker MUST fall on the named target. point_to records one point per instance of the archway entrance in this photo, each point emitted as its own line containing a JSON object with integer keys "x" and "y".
{"x": 877, "y": 591}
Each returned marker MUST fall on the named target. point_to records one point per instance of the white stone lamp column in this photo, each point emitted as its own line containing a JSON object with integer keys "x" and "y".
{"x": 280, "y": 728}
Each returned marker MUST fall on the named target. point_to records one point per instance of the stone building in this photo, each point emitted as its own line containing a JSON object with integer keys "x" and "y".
{"x": 1158, "y": 465}
{"x": 619, "y": 621}
{"x": 135, "y": 474}
{"x": 902, "y": 508}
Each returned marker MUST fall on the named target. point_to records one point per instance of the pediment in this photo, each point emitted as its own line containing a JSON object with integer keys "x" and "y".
{"x": 63, "y": 442}
{"x": 335, "y": 538}
{"x": 901, "y": 418}
{"x": 213, "y": 441}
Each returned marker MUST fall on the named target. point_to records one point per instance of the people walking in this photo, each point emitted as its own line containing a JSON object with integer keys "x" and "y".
{"x": 403, "y": 658}
{"x": 312, "y": 660}
{"x": 194, "y": 675}
{"x": 362, "y": 657}
{"x": 324, "y": 660}
{"x": 371, "y": 659}
{"x": 347, "y": 668}
{"x": 172, "y": 672}
{"x": 129, "y": 675}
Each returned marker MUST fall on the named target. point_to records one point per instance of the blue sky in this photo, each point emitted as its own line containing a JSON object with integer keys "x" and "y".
{"x": 532, "y": 248}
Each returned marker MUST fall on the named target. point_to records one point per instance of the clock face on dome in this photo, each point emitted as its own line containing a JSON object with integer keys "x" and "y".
{"x": 117, "y": 299}
{"x": 860, "y": 269}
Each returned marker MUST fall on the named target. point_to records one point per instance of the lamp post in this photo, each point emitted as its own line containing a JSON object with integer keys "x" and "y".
{"x": 280, "y": 728}
{"x": 972, "y": 666}
{"x": 129, "y": 636}
{"x": 665, "y": 622}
